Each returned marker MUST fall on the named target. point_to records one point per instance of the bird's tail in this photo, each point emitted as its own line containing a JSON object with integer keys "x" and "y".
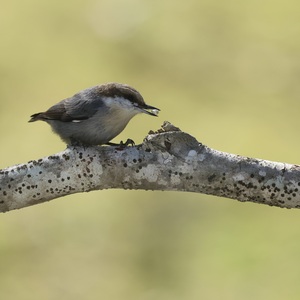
{"x": 36, "y": 117}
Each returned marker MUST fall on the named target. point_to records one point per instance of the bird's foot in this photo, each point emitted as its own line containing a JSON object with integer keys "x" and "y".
{"x": 129, "y": 142}
{"x": 122, "y": 145}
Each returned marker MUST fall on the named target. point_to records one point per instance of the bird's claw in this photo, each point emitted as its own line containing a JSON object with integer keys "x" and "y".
{"x": 122, "y": 145}
{"x": 129, "y": 142}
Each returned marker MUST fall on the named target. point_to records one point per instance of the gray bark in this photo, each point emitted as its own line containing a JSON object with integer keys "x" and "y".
{"x": 168, "y": 160}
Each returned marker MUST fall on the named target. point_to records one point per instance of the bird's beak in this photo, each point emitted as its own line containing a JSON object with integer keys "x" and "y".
{"x": 150, "y": 110}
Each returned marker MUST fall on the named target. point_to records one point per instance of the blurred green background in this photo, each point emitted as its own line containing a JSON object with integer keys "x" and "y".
{"x": 226, "y": 72}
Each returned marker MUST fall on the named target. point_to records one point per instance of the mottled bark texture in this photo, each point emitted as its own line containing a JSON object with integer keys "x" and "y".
{"x": 168, "y": 160}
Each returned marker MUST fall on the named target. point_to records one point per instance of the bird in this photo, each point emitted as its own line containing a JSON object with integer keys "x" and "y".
{"x": 96, "y": 115}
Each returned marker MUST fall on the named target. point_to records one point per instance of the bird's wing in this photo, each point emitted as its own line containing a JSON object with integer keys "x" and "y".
{"x": 74, "y": 109}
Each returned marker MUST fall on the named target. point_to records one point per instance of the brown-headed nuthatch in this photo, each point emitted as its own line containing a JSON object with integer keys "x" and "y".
{"x": 95, "y": 115}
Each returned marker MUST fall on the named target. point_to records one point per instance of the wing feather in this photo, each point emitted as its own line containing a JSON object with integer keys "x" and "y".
{"x": 79, "y": 107}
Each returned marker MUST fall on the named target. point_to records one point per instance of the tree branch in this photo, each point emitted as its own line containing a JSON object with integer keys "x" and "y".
{"x": 167, "y": 160}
